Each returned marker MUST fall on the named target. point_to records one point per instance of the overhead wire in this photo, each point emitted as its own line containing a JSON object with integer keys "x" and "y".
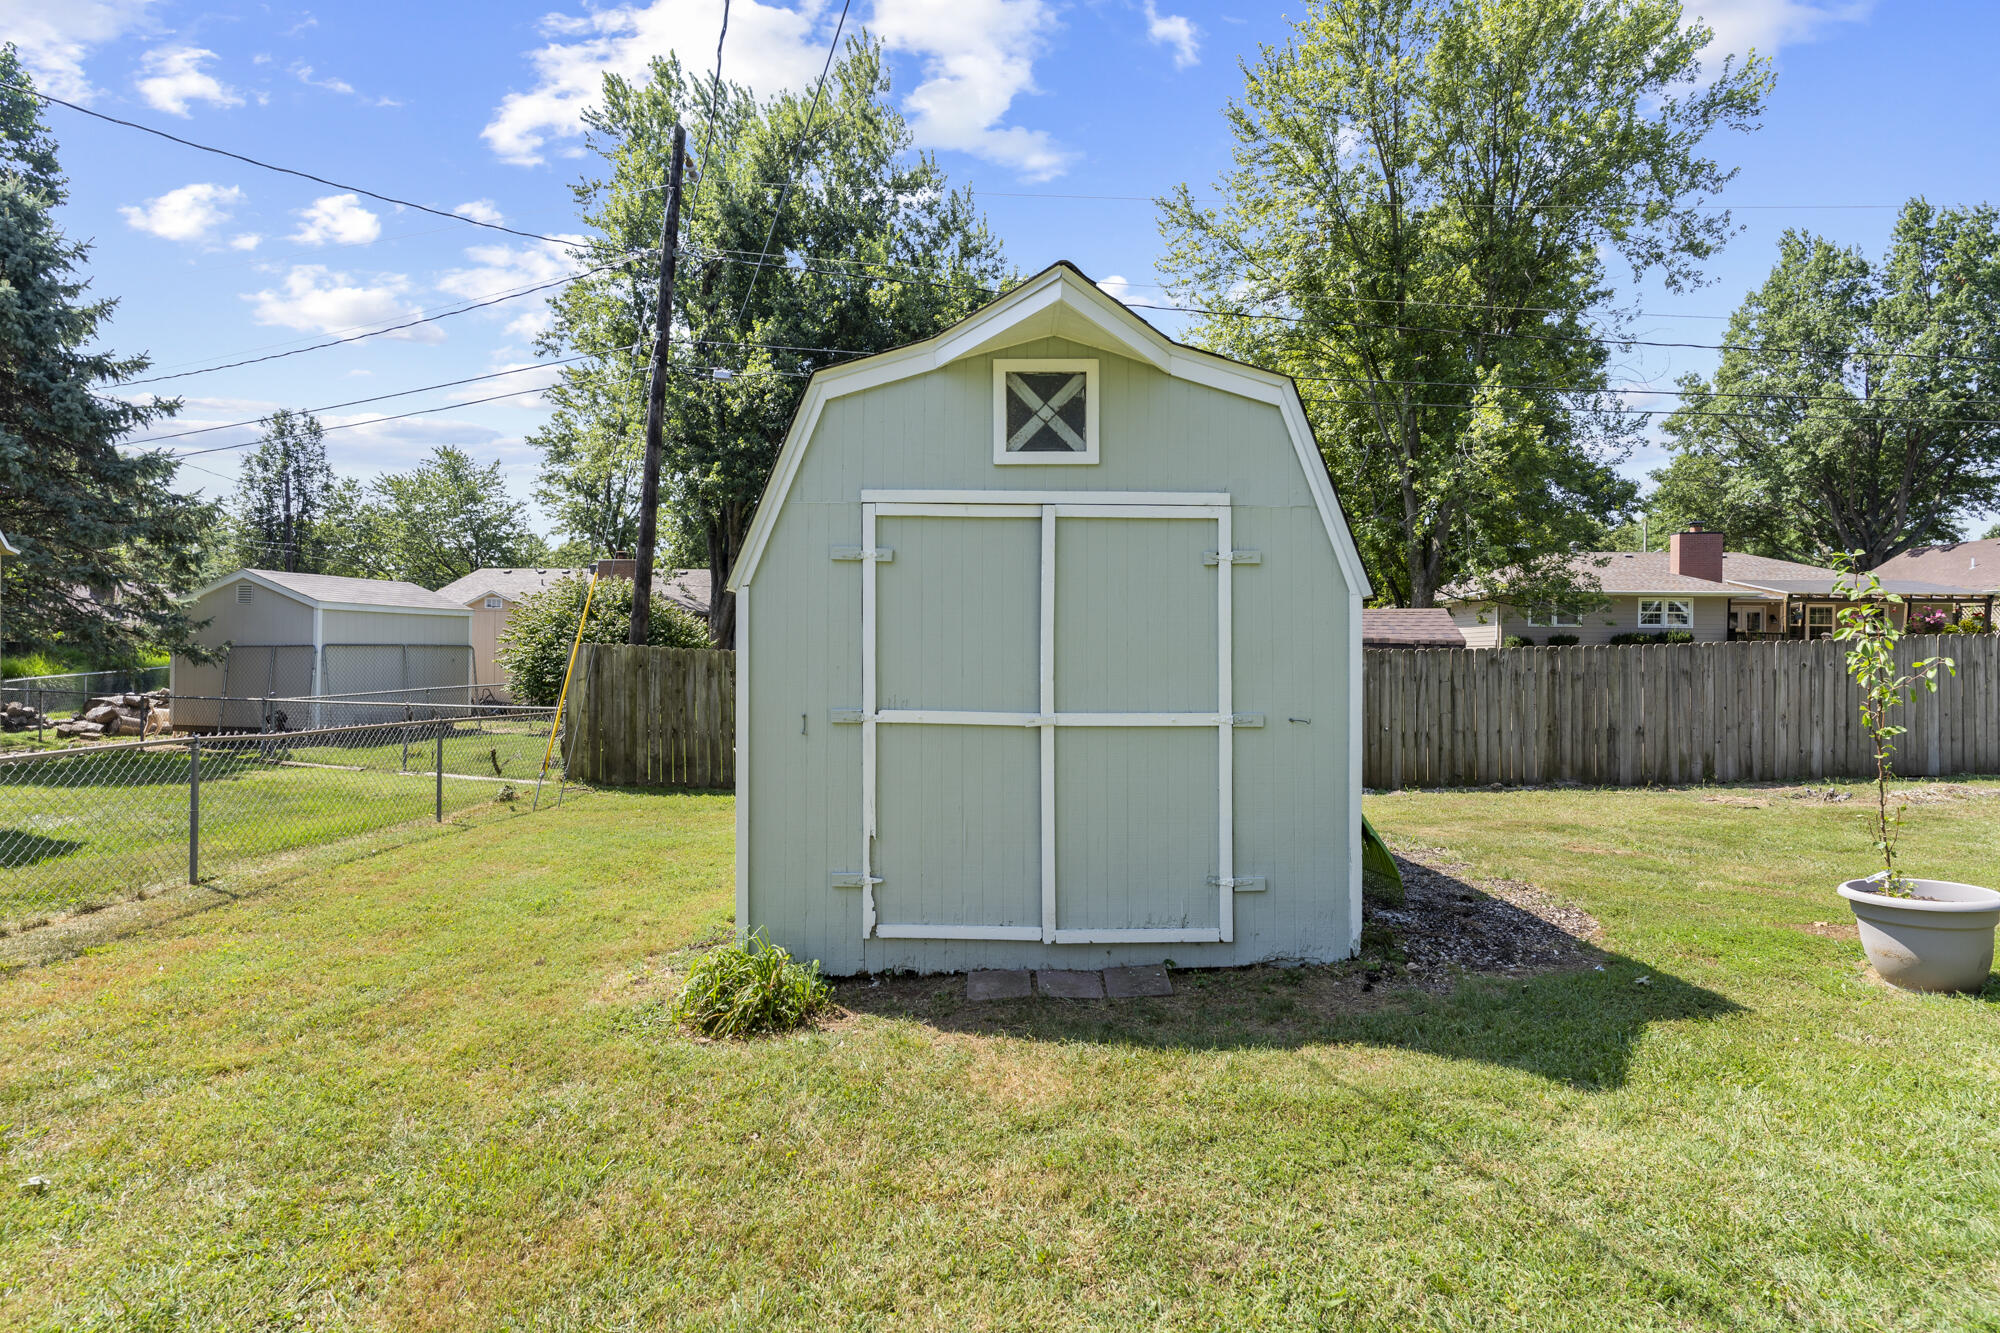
{"x": 287, "y": 171}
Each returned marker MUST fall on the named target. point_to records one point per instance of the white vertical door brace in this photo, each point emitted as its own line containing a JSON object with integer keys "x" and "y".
{"x": 868, "y": 793}
{"x": 1225, "y": 733}
{"x": 1048, "y": 724}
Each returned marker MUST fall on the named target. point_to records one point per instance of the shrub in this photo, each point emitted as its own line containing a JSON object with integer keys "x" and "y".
{"x": 1632, "y": 637}
{"x": 1677, "y": 636}
{"x": 534, "y": 651}
{"x": 1517, "y": 641}
{"x": 744, "y": 989}
{"x": 1563, "y": 640}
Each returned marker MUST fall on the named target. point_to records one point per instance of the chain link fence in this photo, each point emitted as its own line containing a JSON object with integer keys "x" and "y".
{"x": 96, "y": 824}
{"x": 69, "y": 692}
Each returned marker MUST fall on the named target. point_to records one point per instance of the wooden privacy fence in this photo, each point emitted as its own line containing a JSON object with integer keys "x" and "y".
{"x": 652, "y": 717}
{"x": 1629, "y": 715}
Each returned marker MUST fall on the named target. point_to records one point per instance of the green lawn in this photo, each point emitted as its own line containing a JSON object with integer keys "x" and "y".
{"x": 101, "y": 825}
{"x": 431, "y": 1088}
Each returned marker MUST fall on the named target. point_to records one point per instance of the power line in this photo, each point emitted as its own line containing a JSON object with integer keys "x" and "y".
{"x": 357, "y": 402}
{"x": 393, "y": 328}
{"x": 798, "y": 157}
{"x": 287, "y": 171}
{"x": 714, "y": 102}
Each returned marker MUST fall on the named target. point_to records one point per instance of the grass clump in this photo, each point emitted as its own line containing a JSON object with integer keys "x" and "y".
{"x": 743, "y": 989}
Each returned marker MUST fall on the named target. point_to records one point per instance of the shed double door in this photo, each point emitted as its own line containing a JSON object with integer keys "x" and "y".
{"x": 1047, "y": 717}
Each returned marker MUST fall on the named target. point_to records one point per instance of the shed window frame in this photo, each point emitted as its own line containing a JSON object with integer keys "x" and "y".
{"x": 1666, "y": 613}
{"x": 1088, "y": 367}
{"x": 496, "y": 603}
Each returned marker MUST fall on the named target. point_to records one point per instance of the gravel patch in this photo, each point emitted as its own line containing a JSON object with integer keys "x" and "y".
{"x": 1452, "y": 923}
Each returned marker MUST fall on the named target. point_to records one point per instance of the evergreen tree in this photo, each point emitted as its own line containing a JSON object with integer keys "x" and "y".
{"x": 104, "y": 539}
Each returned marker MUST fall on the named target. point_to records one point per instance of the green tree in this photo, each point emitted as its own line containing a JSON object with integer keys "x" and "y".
{"x": 1992, "y": 533}
{"x": 1854, "y": 408}
{"x": 88, "y": 517}
{"x": 447, "y": 517}
{"x": 870, "y": 249}
{"x": 282, "y": 492}
{"x": 1424, "y": 197}
{"x": 534, "y": 650}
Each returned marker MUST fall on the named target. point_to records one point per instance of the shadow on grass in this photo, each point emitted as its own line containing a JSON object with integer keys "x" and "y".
{"x": 20, "y": 849}
{"x": 1455, "y": 972}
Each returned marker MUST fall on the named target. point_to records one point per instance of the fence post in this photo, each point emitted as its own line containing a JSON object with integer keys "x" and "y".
{"x": 194, "y": 809}
{"x": 440, "y": 775}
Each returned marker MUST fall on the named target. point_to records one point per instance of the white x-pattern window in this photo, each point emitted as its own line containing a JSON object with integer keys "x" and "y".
{"x": 1045, "y": 411}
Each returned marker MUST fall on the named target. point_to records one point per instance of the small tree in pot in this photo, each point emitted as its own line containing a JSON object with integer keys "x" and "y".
{"x": 1921, "y": 934}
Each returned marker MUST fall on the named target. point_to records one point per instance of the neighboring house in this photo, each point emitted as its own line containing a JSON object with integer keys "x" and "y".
{"x": 1048, "y": 655}
{"x": 1405, "y": 627}
{"x": 1965, "y": 564}
{"x": 302, "y": 635}
{"x": 493, "y": 594}
{"x": 1694, "y": 587}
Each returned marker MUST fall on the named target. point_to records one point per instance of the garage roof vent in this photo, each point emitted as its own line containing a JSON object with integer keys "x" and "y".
{"x": 244, "y": 592}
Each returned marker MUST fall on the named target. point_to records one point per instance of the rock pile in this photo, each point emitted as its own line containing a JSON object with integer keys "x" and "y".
{"x": 17, "y": 716}
{"x": 119, "y": 715}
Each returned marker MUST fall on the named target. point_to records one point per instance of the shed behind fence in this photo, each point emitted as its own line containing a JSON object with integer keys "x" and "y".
{"x": 652, "y": 717}
{"x": 1623, "y": 716}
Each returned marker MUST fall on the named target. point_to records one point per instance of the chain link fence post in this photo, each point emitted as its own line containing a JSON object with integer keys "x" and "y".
{"x": 440, "y": 772}
{"x": 194, "y": 809}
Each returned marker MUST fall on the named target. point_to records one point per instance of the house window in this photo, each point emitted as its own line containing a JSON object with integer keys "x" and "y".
{"x": 1819, "y": 621}
{"x": 244, "y": 592}
{"x": 1044, "y": 411}
{"x": 494, "y": 603}
{"x": 1553, "y": 619}
{"x": 1665, "y": 613}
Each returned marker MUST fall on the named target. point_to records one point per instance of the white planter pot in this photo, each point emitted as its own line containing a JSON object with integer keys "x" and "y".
{"x": 1940, "y": 940}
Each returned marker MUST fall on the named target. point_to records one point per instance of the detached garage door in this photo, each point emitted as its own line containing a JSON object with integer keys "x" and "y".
{"x": 1047, "y": 717}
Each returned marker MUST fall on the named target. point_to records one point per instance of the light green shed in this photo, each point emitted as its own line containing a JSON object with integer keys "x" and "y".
{"x": 1049, "y": 655}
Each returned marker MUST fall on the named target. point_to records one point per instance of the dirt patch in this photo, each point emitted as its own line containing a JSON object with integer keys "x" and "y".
{"x": 1830, "y": 930}
{"x": 1748, "y": 802}
{"x": 1452, "y": 922}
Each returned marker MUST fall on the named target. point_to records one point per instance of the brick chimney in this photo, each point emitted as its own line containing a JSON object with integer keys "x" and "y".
{"x": 1696, "y": 553}
{"x": 625, "y": 567}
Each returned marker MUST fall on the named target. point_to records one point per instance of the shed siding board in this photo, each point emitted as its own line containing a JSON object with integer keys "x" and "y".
{"x": 394, "y": 627}
{"x": 1293, "y": 640}
{"x": 268, "y": 618}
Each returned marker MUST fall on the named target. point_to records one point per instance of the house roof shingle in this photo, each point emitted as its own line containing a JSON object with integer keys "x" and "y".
{"x": 1409, "y": 627}
{"x": 685, "y": 588}
{"x": 357, "y": 592}
{"x": 1966, "y": 564}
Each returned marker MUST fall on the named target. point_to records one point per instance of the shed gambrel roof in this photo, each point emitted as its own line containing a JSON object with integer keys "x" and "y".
{"x": 332, "y": 592}
{"x": 1061, "y": 302}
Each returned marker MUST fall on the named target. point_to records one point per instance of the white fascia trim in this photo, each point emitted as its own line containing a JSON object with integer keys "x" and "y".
{"x": 465, "y": 611}
{"x": 1119, "y": 323}
{"x": 742, "y": 742}
{"x": 7, "y": 547}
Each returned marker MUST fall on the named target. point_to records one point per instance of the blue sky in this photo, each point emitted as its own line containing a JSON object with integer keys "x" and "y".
{"x": 1032, "y": 101}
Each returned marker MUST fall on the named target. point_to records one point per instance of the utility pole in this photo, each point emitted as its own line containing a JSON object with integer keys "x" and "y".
{"x": 656, "y": 397}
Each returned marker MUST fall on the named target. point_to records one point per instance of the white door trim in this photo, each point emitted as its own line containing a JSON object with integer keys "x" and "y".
{"x": 1049, "y": 507}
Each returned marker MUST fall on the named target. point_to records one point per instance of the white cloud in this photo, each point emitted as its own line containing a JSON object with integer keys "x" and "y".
{"x": 337, "y": 219}
{"x": 976, "y": 57}
{"x": 1117, "y": 286}
{"x": 305, "y": 74}
{"x": 174, "y": 78}
{"x": 249, "y": 240}
{"x": 1769, "y": 24}
{"x": 481, "y": 210}
{"x": 1177, "y": 31}
{"x": 189, "y": 213}
{"x": 499, "y": 268}
{"x": 55, "y": 38}
{"x": 315, "y": 299}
